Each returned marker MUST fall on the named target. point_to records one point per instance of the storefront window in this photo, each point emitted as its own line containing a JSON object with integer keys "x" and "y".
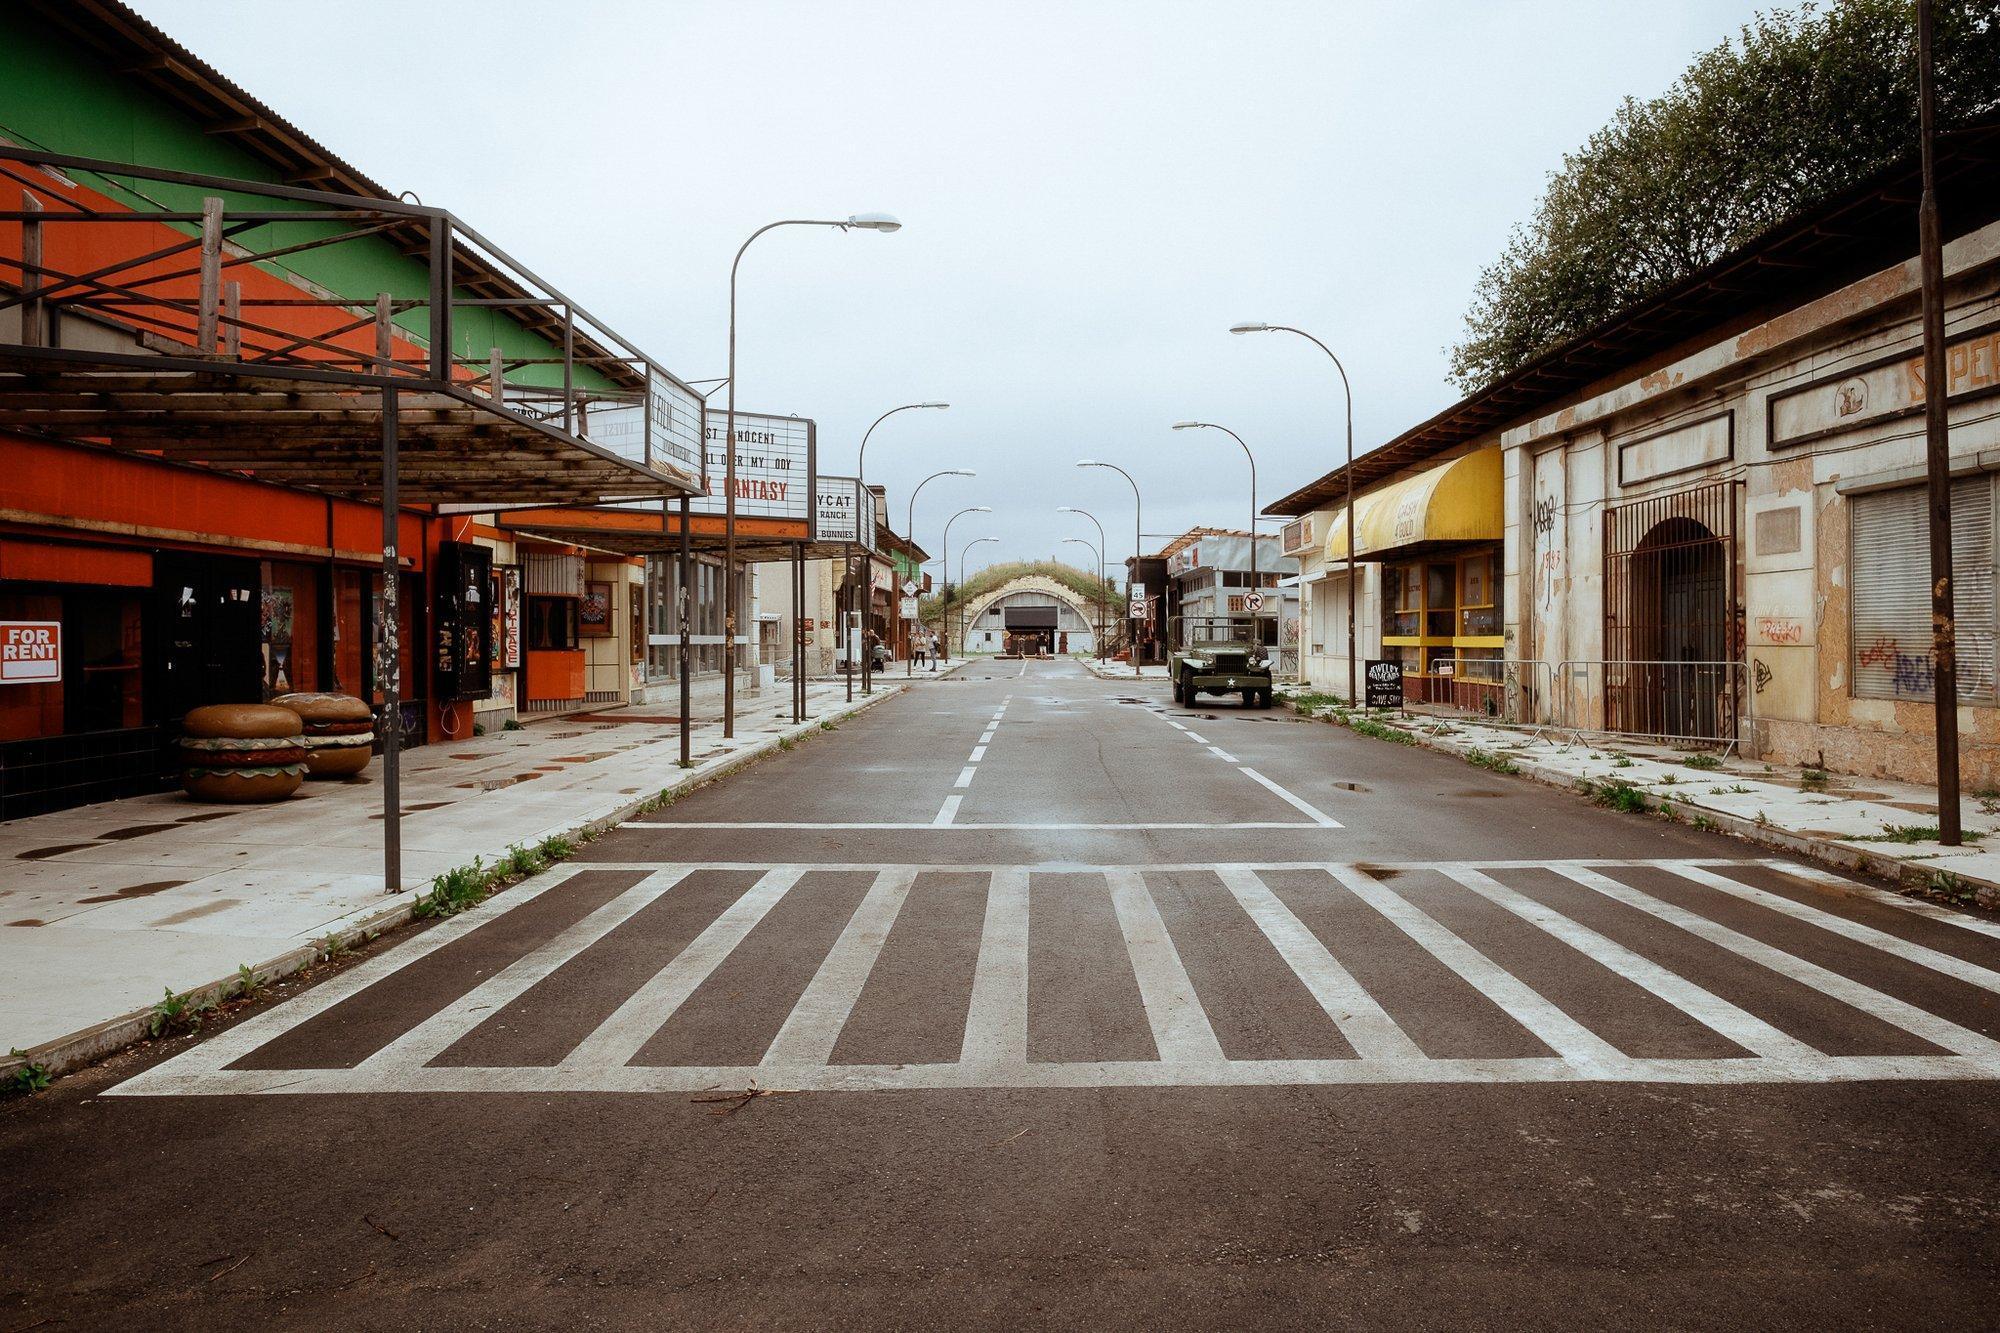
{"x": 552, "y": 623}
{"x": 1402, "y": 595}
{"x": 350, "y": 636}
{"x": 1479, "y": 596}
{"x": 102, "y": 685}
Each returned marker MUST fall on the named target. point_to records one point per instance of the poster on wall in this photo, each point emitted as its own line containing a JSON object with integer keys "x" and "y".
{"x": 275, "y": 628}
{"x": 505, "y": 640}
{"x": 593, "y": 615}
{"x": 774, "y": 467}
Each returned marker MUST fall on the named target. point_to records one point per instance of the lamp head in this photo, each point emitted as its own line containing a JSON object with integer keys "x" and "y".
{"x": 1189, "y": 425}
{"x": 884, "y": 222}
{"x": 958, "y": 472}
{"x": 1249, "y": 328}
{"x": 930, "y": 404}
{"x": 1088, "y": 462}
{"x": 980, "y": 509}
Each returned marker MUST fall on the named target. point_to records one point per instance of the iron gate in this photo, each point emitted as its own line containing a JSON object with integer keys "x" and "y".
{"x": 1670, "y": 603}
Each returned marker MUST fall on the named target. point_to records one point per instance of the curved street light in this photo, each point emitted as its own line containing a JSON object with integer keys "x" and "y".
{"x": 1255, "y": 586}
{"x": 910, "y": 535}
{"x": 1072, "y": 509}
{"x": 1098, "y": 552}
{"x": 1137, "y": 542}
{"x": 1347, "y": 390}
{"x": 944, "y": 605}
{"x": 976, "y": 541}
{"x": 881, "y": 222}
{"x": 861, "y": 485}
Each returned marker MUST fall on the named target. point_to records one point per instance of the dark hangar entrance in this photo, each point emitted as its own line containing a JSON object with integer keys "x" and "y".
{"x": 1031, "y": 629}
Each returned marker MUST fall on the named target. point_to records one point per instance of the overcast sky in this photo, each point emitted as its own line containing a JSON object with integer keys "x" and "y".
{"x": 1092, "y": 193}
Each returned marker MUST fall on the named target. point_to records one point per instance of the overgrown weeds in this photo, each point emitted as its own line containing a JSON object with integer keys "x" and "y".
{"x": 1702, "y": 761}
{"x": 1621, "y": 796}
{"x": 1491, "y": 761}
{"x": 30, "y": 1077}
{"x": 176, "y": 1013}
{"x": 1381, "y": 731}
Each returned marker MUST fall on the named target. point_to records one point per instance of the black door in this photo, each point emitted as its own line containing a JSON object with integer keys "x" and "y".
{"x": 208, "y": 610}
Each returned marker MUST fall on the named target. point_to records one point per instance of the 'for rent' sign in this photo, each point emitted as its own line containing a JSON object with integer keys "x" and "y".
{"x": 30, "y": 652}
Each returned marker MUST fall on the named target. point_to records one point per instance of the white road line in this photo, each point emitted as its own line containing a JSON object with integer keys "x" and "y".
{"x": 1021, "y": 1075}
{"x": 1024, "y": 667}
{"x": 1220, "y": 753}
{"x": 1970, "y": 973}
{"x": 1914, "y": 906}
{"x": 965, "y": 776}
{"x": 1198, "y": 740}
{"x": 228, "y": 1047}
{"x": 1175, "y": 725}
{"x": 1867, "y": 999}
{"x": 996, "y": 1022}
{"x": 1753, "y": 1034}
{"x": 432, "y": 1037}
{"x": 1180, "y": 1028}
{"x": 1319, "y": 816}
{"x": 1364, "y": 1023}
{"x": 620, "y": 1037}
{"x": 978, "y": 753}
{"x": 813, "y": 1026}
{"x": 986, "y": 737}
{"x": 945, "y": 819}
{"x": 1521, "y": 1002}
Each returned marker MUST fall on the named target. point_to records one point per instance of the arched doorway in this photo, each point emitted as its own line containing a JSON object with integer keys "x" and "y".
{"x": 1670, "y": 607}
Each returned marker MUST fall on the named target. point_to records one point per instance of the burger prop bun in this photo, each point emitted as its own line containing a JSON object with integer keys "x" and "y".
{"x": 339, "y": 733}
{"x": 242, "y": 753}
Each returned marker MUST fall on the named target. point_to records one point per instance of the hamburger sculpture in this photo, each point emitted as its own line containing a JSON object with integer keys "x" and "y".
{"x": 242, "y": 753}
{"x": 339, "y": 733}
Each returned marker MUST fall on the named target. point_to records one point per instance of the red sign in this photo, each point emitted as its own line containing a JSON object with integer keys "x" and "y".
{"x": 30, "y": 652}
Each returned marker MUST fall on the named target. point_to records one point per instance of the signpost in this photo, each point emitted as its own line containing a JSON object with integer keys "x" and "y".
{"x": 1253, "y": 602}
{"x": 1383, "y": 684}
{"x": 30, "y": 652}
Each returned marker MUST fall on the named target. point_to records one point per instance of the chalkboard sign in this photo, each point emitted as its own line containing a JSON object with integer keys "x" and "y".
{"x": 1384, "y": 688}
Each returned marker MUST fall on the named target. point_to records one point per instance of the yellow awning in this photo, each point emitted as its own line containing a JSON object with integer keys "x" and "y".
{"x": 1457, "y": 501}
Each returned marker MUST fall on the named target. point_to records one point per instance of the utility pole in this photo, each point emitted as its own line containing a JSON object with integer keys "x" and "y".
{"x": 1937, "y": 441}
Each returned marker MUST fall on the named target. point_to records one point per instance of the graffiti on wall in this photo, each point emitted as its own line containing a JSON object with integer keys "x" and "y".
{"x": 1913, "y": 675}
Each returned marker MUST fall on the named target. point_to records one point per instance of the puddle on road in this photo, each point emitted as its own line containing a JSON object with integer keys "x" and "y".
{"x": 136, "y": 831}
{"x": 135, "y": 891}
{"x": 412, "y": 809}
{"x": 1379, "y": 872}
{"x": 1474, "y": 791}
{"x": 44, "y": 853}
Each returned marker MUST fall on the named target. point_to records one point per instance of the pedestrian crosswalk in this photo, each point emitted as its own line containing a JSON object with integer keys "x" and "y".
{"x": 1682, "y": 971}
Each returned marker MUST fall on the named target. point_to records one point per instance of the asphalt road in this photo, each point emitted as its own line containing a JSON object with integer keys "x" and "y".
{"x": 1073, "y": 1007}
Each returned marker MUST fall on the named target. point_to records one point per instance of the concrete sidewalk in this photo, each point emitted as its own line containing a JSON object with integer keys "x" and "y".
{"x": 105, "y": 907}
{"x": 1124, "y": 670}
{"x": 1877, "y": 825}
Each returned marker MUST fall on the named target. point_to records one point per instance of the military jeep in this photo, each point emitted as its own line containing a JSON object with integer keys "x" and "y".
{"x": 1211, "y": 655}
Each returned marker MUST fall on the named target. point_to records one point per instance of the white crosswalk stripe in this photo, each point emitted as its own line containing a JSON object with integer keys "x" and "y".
{"x": 994, "y": 1046}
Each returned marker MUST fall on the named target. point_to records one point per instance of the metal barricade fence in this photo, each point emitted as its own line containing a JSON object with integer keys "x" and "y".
{"x": 1500, "y": 691}
{"x": 1699, "y": 702}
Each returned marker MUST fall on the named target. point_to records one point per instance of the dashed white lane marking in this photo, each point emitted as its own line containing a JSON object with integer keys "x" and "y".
{"x": 993, "y": 1053}
{"x": 1198, "y": 740}
{"x": 965, "y": 776}
{"x": 619, "y": 1037}
{"x": 1319, "y": 816}
{"x": 1175, "y": 725}
{"x": 978, "y": 753}
{"x": 1223, "y": 754}
{"x": 946, "y": 813}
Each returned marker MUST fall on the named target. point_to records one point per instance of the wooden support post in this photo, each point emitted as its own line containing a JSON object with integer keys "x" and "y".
{"x": 209, "y": 301}
{"x": 33, "y": 317}
{"x": 385, "y": 348}
{"x": 496, "y": 383}
{"x": 441, "y": 292}
{"x": 388, "y": 655}
{"x": 569, "y": 368}
{"x": 232, "y": 323}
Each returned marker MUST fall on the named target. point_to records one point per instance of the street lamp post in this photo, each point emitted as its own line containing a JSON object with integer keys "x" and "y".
{"x": 944, "y": 607}
{"x": 881, "y": 222}
{"x": 1137, "y": 542}
{"x": 860, "y": 502}
{"x": 910, "y": 531}
{"x": 1071, "y": 509}
{"x": 1347, "y": 390}
{"x": 963, "y": 551}
{"x": 1098, "y": 553}
{"x": 1255, "y": 586}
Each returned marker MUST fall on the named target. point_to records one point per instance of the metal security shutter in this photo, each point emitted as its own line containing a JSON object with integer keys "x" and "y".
{"x": 1892, "y": 601}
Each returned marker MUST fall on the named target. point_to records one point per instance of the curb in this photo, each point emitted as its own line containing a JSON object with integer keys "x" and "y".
{"x": 1091, "y": 666}
{"x": 66, "y": 1055}
{"x": 1910, "y": 880}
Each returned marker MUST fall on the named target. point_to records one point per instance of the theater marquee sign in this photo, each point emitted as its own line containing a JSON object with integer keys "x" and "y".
{"x": 774, "y": 467}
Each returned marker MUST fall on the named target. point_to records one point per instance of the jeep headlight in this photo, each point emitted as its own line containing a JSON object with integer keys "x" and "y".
{"x": 1201, "y": 661}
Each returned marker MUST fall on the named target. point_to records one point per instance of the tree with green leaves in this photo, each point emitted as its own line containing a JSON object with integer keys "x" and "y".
{"x": 1801, "y": 104}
